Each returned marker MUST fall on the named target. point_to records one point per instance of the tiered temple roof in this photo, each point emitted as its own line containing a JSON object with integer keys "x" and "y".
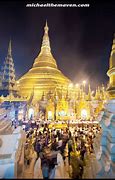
{"x": 8, "y": 82}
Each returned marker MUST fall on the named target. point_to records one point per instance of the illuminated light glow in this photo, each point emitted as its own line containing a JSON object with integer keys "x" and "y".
{"x": 31, "y": 113}
{"x": 92, "y": 92}
{"x": 72, "y": 114}
{"x": 50, "y": 115}
{"x": 62, "y": 113}
{"x": 84, "y": 113}
{"x": 20, "y": 114}
{"x": 77, "y": 85}
{"x": 84, "y": 82}
{"x": 70, "y": 85}
{"x": 21, "y": 111}
{"x": 23, "y": 126}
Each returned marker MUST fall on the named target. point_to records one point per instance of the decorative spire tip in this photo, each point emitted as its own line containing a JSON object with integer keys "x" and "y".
{"x": 9, "y": 47}
{"x": 46, "y": 23}
{"x": 46, "y": 27}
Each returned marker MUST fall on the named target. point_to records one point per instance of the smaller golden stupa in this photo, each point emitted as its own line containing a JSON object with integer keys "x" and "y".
{"x": 111, "y": 72}
{"x": 44, "y": 76}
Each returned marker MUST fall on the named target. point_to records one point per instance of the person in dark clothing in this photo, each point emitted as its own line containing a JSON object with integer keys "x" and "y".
{"x": 28, "y": 134}
{"x": 45, "y": 170}
{"x": 77, "y": 167}
{"x": 44, "y": 129}
{"x": 70, "y": 149}
{"x": 40, "y": 133}
{"x": 54, "y": 145}
{"x": 37, "y": 147}
{"x": 82, "y": 152}
{"x": 82, "y": 142}
{"x": 58, "y": 134}
{"x": 52, "y": 162}
{"x": 76, "y": 138}
{"x": 69, "y": 134}
{"x": 46, "y": 140}
{"x": 62, "y": 148}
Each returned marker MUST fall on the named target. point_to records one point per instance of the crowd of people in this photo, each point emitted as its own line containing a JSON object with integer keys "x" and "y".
{"x": 73, "y": 143}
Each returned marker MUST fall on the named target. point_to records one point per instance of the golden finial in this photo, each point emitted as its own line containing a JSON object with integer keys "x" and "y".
{"x": 89, "y": 96}
{"x": 9, "y": 48}
{"x": 46, "y": 28}
{"x": 43, "y": 96}
{"x": 89, "y": 88}
{"x": 45, "y": 42}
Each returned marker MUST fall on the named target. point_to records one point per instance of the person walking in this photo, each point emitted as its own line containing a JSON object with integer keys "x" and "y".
{"x": 70, "y": 149}
{"x": 37, "y": 147}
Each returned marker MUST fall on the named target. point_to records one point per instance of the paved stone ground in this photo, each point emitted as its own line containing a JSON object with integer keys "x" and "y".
{"x": 29, "y": 171}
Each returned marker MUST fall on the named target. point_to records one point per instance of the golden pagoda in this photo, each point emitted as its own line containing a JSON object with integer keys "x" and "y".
{"x": 44, "y": 76}
{"x": 111, "y": 72}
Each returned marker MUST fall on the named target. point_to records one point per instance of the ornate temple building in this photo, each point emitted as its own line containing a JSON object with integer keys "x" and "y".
{"x": 77, "y": 104}
{"x": 45, "y": 91}
{"x": 7, "y": 75}
{"x": 51, "y": 92}
{"x": 44, "y": 76}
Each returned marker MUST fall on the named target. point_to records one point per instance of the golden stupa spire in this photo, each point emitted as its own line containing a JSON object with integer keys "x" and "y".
{"x": 31, "y": 96}
{"x": 44, "y": 74}
{"x": 111, "y": 72}
{"x": 9, "y": 48}
{"x": 46, "y": 27}
{"x": 96, "y": 94}
{"x": 43, "y": 96}
{"x": 45, "y": 42}
{"x": 89, "y": 97}
{"x": 102, "y": 92}
{"x": 112, "y": 64}
{"x": 45, "y": 57}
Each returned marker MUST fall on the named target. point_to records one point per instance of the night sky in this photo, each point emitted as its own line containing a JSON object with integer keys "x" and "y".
{"x": 81, "y": 38}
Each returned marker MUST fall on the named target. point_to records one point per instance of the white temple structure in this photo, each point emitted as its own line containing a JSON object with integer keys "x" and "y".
{"x": 12, "y": 154}
{"x": 105, "y": 147}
